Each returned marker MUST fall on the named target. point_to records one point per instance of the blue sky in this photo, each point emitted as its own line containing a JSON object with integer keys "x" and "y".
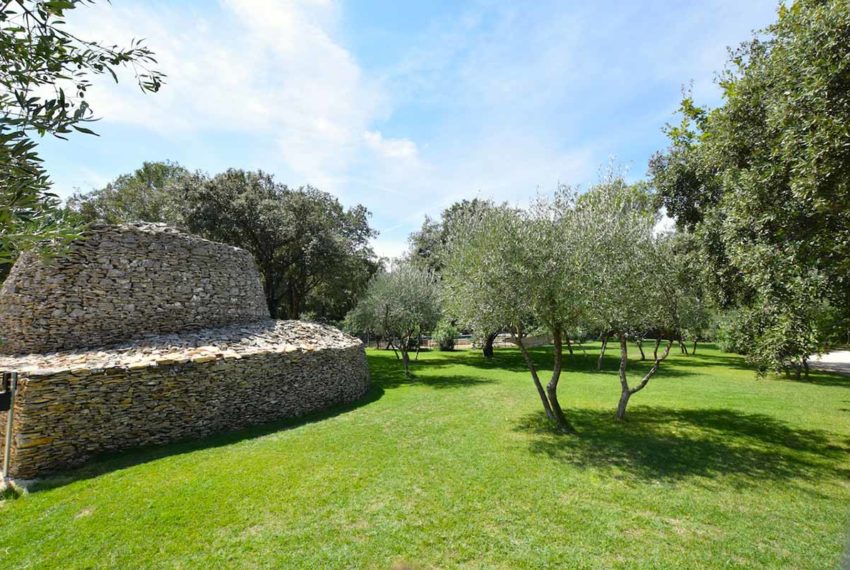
{"x": 403, "y": 106}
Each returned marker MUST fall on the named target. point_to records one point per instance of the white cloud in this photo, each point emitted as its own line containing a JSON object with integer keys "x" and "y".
{"x": 262, "y": 67}
{"x": 389, "y": 248}
{"x": 388, "y": 147}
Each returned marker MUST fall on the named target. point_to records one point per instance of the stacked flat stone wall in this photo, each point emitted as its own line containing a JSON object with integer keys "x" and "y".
{"x": 144, "y": 335}
{"x": 64, "y": 417}
{"x": 123, "y": 282}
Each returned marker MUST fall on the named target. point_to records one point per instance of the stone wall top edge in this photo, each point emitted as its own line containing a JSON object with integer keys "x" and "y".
{"x": 231, "y": 342}
{"x": 154, "y": 228}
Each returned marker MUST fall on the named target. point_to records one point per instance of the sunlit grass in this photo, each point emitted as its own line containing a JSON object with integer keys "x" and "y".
{"x": 456, "y": 468}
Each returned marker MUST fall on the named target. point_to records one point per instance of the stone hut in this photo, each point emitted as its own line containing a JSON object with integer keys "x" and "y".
{"x": 143, "y": 335}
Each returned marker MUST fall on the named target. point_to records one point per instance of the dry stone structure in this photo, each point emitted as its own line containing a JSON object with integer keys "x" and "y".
{"x": 123, "y": 282}
{"x": 206, "y": 357}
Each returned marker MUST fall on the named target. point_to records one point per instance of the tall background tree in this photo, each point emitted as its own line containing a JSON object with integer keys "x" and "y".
{"x": 430, "y": 247}
{"x": 45, "y": 73}
{"x": 763, "y": 182}
{"x": 152, "y": 193}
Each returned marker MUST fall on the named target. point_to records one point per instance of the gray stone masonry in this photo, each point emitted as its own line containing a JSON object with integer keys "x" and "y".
{"x": 122, "y": 282}
{"x": 145, "y": 335}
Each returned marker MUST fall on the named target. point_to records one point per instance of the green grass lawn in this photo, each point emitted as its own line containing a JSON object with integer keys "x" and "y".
{"x": 455, "y": 468}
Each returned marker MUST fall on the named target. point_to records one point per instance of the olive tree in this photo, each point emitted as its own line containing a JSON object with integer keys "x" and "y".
{"x": 45, "y": 74}
{"x": 529, "y": 277}
{"x": 399, "y": 305}
{"x": 430, "y": 247}
{"x": 629, "y": 283}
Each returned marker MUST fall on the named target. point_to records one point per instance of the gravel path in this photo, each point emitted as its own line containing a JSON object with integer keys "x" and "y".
{"x": 838, "y": 361}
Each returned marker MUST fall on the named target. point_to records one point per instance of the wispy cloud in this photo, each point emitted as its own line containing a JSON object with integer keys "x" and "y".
{"x": 492, "y": 100}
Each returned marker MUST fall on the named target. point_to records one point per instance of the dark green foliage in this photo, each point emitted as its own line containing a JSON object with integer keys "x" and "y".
{"x": 429, "y": 247}
{"x": 314, "y": 255}
{"x": 45, "y": 73}
{"x": 764, "y": 180}
{"x": 153, "y": 193}
{"x": 732, "y": 332}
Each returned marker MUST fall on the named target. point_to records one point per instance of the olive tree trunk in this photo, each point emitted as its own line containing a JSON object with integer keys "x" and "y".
{"x": 602, "y": 352}
{"x": 405, "y": 360}
{"x": 488, "y": 344}
{"x": 625, "y": 391}
{"x": 535, "y": 377}
{"x": 549, "y": 395}
{"x": 552, "y": 386}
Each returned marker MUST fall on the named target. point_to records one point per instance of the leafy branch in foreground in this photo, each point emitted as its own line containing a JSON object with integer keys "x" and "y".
{"x": 45, "y": 73}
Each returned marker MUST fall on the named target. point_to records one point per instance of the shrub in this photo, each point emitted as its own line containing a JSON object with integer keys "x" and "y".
{"x": 445, "y": 334}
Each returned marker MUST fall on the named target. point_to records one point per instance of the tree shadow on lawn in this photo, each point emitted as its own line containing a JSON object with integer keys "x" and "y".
{"x": 677, "y": 365}
{"x": 673, "y": 444}
{"x": 512, "y": 360}
{"x": 114, "y": 461}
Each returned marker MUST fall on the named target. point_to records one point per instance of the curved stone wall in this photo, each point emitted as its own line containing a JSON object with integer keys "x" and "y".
{"x": 125, "y": 282}
{"x": 73, "y": 405}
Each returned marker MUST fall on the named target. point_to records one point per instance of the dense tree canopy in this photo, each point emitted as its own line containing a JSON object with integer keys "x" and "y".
{"x": 764, "y": 181}
{"x": 153, "y": 193}
{"x": 45, "y": 73}
{"x": 429, "y": 247}
{"x": 313, "y": 254}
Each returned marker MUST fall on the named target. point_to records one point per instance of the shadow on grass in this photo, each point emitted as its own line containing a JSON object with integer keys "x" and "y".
{"x": 109, "y": 462}
{"x": 819, "y": 378}
{"x": 543, "y": 357}
{"x": 677, "y": 365}
{"x": 671, "y": 444}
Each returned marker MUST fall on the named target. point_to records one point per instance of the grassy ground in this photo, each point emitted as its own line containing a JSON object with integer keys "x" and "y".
{"x": 456, "y": 469}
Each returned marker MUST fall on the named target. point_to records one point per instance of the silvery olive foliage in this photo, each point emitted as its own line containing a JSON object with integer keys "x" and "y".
{"x": 488, "y": 272}
{"x": 399, "y": 306}
{"x": 514, "y": 269}
{"x": 45, "y": 74}
{"x": 631, "y": 284}
{"x": 567, "y": 262}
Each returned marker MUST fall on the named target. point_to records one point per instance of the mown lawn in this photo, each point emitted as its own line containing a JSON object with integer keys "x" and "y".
{"x": 455, "y": 468}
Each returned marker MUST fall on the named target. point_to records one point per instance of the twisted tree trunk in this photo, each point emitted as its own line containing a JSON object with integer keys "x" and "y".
{"x": 535, "y": 378}
{"x": 625, "y": 392}
{"x": 552, "y": 387}
{"x": 488, "y": 344}
{"x": 602, "y": 352}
